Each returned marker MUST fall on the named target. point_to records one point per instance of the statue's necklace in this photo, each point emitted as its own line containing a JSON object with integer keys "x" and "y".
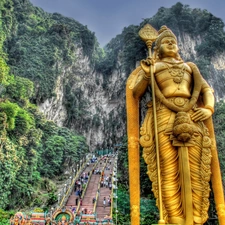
{"x": 177, "y": 72}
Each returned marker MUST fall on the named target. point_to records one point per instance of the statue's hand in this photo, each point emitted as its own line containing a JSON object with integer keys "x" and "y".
{"x": 201, "y": 114}
{"x": 146, "y": 63}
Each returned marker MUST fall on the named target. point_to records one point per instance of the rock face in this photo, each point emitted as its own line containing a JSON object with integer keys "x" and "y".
{"x": 215, "y": 70}
{"x": 99, "y": 112}
{"x": 53, "y": 108}
{"x": 217, "y": 76}
{"x": 187, "y": 45}
{"x": 100, "y": 109}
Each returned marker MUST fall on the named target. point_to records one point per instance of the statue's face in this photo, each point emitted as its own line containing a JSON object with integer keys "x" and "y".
{"x": 168, "y": 47}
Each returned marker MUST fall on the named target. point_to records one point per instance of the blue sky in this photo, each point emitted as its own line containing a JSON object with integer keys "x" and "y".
{"x": 107, "y": 18}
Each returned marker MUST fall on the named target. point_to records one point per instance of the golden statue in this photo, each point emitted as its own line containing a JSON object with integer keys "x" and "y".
{"x": 177, "y": 135}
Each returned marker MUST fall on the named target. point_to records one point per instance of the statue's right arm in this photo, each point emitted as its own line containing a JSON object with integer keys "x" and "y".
{"x": 143, "y": 79}
{"x": 141, "y": 85}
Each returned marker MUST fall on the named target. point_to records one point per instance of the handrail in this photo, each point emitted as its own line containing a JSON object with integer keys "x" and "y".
{"x": 99, "y": 183}
{"x": 111, "y": 209}
{"x": 112, "y": 194}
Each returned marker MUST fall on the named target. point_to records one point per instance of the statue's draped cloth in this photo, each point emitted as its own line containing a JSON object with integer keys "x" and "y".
{"x": 175, "y": 158}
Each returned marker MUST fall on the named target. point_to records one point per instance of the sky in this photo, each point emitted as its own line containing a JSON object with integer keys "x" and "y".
{"x": 107, "y": 18}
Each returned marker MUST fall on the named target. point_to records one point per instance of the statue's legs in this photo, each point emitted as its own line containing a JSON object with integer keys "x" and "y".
{"x": 179, "y": 205}
{"x": 172, "y": 179}
{"x": 186, "y": 187}
{"x": 196, "y": 182}
{"x": 171, "y": 189}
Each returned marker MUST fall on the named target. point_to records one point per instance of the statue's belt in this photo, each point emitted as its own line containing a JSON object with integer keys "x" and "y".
{"x": 177, "y": 101}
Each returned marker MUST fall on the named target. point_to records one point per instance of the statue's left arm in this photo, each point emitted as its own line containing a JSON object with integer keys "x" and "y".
{"x": 206, "y": 111}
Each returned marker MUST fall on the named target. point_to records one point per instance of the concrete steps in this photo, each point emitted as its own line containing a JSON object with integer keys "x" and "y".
{"x": 86, "y": 210}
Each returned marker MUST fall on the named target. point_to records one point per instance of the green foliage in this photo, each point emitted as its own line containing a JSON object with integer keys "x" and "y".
{"x": 23, "y": 122}
{"x": 20, "y": 88}
{"x": 203, "y": 65}
{"x": 213, "y": 37}
{"x": 135, "y": 48}
{"x": 11, "y": 110}
{"x": 59, "y": 146}
{"x": 5, "y": 216}
{"x": 123, "y": 197}
{"x": 4, "y": 13}
{"x": 123, "y": 172}
{"x": 37, "y": 148}
{"x": 52, "y": 198}
{"x": 219, "y": 126}
{"x": 41, "y": 44}
{"x": 40, "y": 48}
{"x": 149, "y": 211}
{"x": 10, "y": 164}
{"x": 17, "y": 160}
{"x": 77, "y": 107}
{"x": 126, "y": 49}
{"x": 122, "y": 164}
{"x": 75, "y": 146}
{"x": 3, "y": 69}
{"x": 107, "y": 60}
{"x": 3, "y": 123}
{"x": 35, "y": 43}
{"x": 52, "y": 156}
{"x": 18, "y": 119}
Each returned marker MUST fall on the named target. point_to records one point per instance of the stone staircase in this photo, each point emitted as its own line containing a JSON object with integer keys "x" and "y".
{"x": 88, "y": 211}
{"x": 90, "y": 194}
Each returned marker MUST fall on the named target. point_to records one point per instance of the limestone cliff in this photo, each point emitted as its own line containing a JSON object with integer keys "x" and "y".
{"x": 101, "y": 115}
{"x": 81, "y": 86}
{"x": 213, "y": 72}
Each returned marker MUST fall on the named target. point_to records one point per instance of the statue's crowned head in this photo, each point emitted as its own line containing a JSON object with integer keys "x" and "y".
{"x": 164, "y": 32}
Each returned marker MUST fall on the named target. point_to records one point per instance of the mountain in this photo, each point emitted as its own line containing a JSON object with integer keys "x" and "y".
{"x": 81, "y": 86}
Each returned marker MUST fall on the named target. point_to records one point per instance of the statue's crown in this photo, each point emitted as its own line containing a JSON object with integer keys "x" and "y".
{"x": 164, "y": 32}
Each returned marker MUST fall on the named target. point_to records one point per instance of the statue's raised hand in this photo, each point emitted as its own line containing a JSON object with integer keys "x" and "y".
{"x": 146, "y": 63}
